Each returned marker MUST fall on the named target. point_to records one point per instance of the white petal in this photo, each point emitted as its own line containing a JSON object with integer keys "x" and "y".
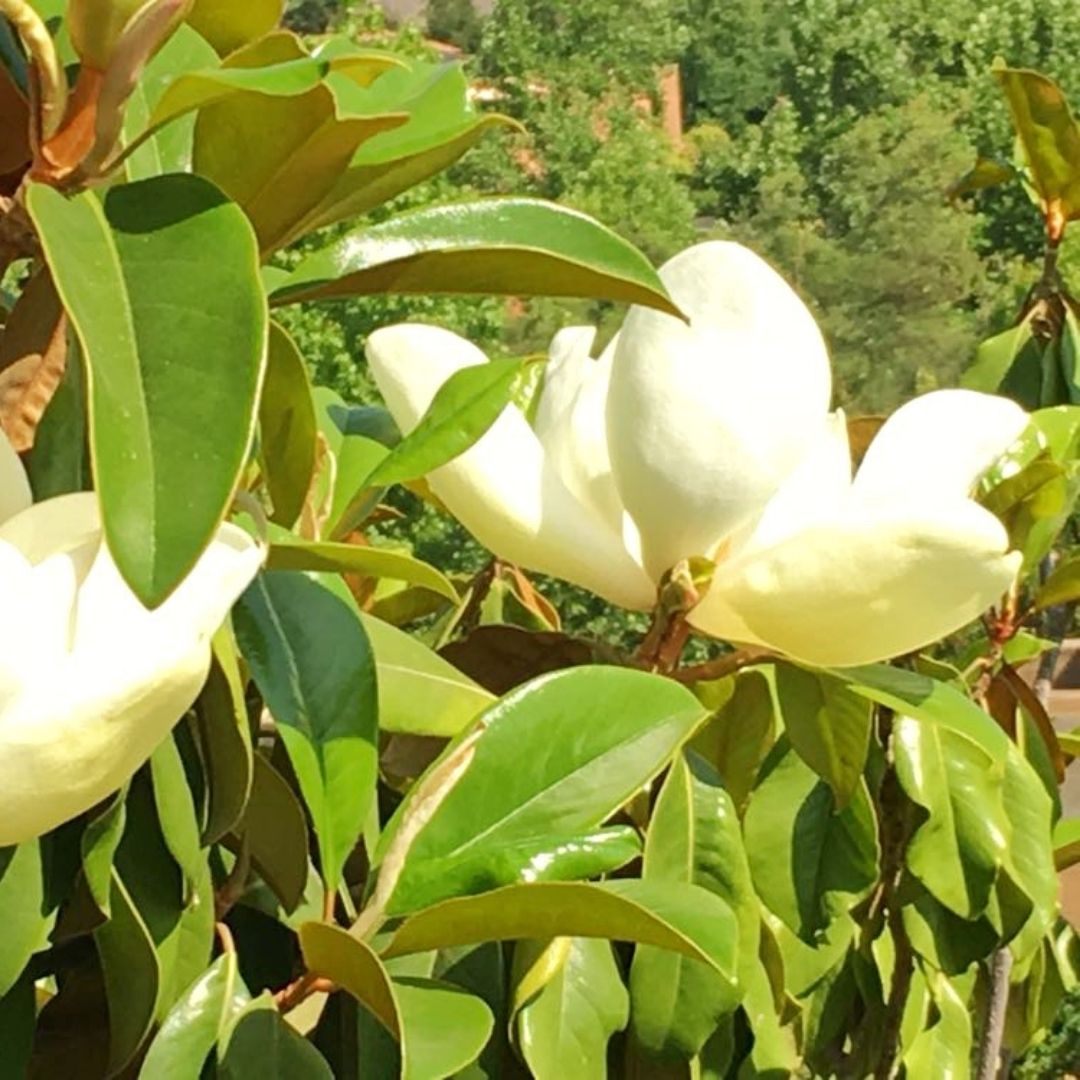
{"x": 14, "y": 486}
{"x": 938, "y": 445}
{"x": 66, "y": 523}
{"x": 706, "y": 421}
{"x": 876, "y": 582}
{"x": 503, "y": 490}
{"x": 571, "y": 426}
{"x": 107, "y": 679}
{"x": 816, "y": 491}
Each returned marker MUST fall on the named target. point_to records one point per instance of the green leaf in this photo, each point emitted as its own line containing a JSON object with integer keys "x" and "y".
{"x": 1048, "y": 133}
{"x": 477, "y": 800}
{"x": 22, "y": 909}
{"x": 287, "y": 428}
{"x": 276, "y": 835}
{"x": 293, "y": 554}
{"x": 995, "y": 357}
{"x": 693, "y": 838}
{"x": 197, "y": 1021}
{"x": 176, "y": 810}
{"x": 17, "y": 1023}
{"x": 684, "y": 918}
{"x": 132, "y": 976}
{"x": 278, "y": 157}
{"x": 1067, "y": 843}
{"x": 57, "y": 463}
{"x": 1062, "y": 586}
{"x": 810, "y": 862}
{"x": 228, "y": 25}
{"x": 943, "y": 1048}
{"x": 175, "y": 356}
{"x": 827, "y": 724}
{"x": 463, "y": 409}
{"x": 441, "y": 1028}
{"x": 311, "y": 660}
{"x": 145, "y": 154}
{"x": 957, "y": 851}
{"x": 225, "y": 740}
{"x": 565, "y": 1018}
{"x": 985, "y": 173}
{"x": 262, "y": 1044}
{"x": 442, "y": 126}
{"x": 98, "y": 845}
{"x": 521, "y": 247}
{"x": 419, "y": 692}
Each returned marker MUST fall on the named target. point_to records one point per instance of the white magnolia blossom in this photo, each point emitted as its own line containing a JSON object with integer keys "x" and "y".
{"x": 90, "y": 681}
{"x": 715, "y": 439}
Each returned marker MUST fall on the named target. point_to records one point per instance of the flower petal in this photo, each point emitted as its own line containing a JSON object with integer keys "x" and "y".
{"x": 938, "y": 445}
{"x": 570, "y": 422}
{"x": 503, "y": 489}
{"x": 706, "y": 421}
{"x": 81, "y": 719}
{"x": 14, "y": 486}
{"x": 55, "y": 526}
{"x": 875, "y": 582}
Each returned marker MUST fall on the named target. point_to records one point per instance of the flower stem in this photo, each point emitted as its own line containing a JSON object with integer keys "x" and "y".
{"x": 51, "y": 81}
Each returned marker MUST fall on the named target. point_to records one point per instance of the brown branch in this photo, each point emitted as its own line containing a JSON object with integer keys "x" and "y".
{"x": 997, "y": 1004}
{"x": 297, "y": 992}
{"x": 728, "y": 664}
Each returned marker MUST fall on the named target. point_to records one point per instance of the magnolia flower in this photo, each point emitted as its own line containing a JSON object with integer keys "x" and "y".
{"x": 90, "y": 681}
{"x": 715, "y": 439}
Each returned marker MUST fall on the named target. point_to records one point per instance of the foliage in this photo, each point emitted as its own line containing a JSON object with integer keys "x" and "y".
{"x": 455, "y": 21}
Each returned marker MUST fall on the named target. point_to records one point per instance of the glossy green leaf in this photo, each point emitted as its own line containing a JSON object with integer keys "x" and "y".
{"x": 146, "y": 154}
{"x": 441, "y": 1028}
{"x": 563, "y": 1026}
{"x": 1067, "y": 843}
{"x": 522, "y": 247}
{"x": 949, "y": 943}
{"x": 22, "y": 909}
{"x": 311, "y": 660}
{"x": 225, "y": 740}
{"x": 175, "y": 359}
{"x": 375, "y": 562}
{"x": 957, "y": 851}
{"x": 262, "y": 1044}
{"x": 444, "y": 1029}
{"x": 278, "y": 157}
{"x": 810, "y": 862}
{"x": 176, "y": 810}
{"x": 1048, "y": 133}
{"x": 58, "y": 462}
{"x": 98, "y": 845}
{"x": 287, "y": 428}
{"x": 944, "y": 1047}
{"x": 827, "y": 724}
{"x": 693, "y": 838}
{"x": 994, "y": 358}
{"x": 276, "y": 834}
{"x": 132, "y": 976}
{"x": 463, "y": 409}
{"x": 442, "y": 126}
{"x": 553, "y": 758}
{"x": 197, "y": 1021}
{"x": 684, "y": 918}
{"x": 227, "y": 25}
{"x": 419, "y": 692}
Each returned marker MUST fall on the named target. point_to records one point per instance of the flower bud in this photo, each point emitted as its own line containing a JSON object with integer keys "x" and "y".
{"x": 96, "y": 27}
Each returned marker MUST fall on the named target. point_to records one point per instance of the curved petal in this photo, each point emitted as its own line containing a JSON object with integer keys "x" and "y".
{"x": 571, "y": 426}
{"x": 938, "y": 445}
{"x": 49, "y": 528}
{"x": 14, "y": 486}
{"x": 706, "y": 421}
{"x": 875, "y": 582}
{"x": 503, "y": 490}
{"x": 102, "y": 680}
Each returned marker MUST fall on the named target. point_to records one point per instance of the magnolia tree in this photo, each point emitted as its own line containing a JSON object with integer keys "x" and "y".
{"x": 276, "y": 795}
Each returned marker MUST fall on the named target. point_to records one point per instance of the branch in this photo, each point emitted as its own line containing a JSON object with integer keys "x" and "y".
{"x": 724, "y": 665}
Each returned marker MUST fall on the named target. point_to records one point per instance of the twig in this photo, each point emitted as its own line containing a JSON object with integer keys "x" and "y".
{"x": 997, "y": 1005}
{"x": 300, "y": 990}
{"x": 724, "y": 665}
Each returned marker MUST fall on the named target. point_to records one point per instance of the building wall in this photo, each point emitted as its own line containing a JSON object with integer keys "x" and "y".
{"x": 411, "y": 9}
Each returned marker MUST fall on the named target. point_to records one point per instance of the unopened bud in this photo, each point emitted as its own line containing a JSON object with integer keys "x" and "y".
{"x": 96, "y": 27}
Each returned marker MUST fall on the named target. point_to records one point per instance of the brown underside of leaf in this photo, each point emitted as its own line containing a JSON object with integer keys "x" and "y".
{"x": 33, "y": 357}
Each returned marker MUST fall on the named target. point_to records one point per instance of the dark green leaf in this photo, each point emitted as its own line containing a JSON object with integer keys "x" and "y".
{"x": 17, "y": 1020}
{"x": 521, "y": 247}
{"x": 175, "y": 356}
{"x": 57, "y": 463}
{"x": 1062, "y": 586}
{"x": 176, "y": 810}
{"x": 995, "y": 357}
{"x": 810, "y": 862}
{"x": 262, "y": 1044}
{"x": 287, "y": 428}
{"x": 312, "y": 662}
{"x": 554, "y": 758}
{"x": 827, "y": 724}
